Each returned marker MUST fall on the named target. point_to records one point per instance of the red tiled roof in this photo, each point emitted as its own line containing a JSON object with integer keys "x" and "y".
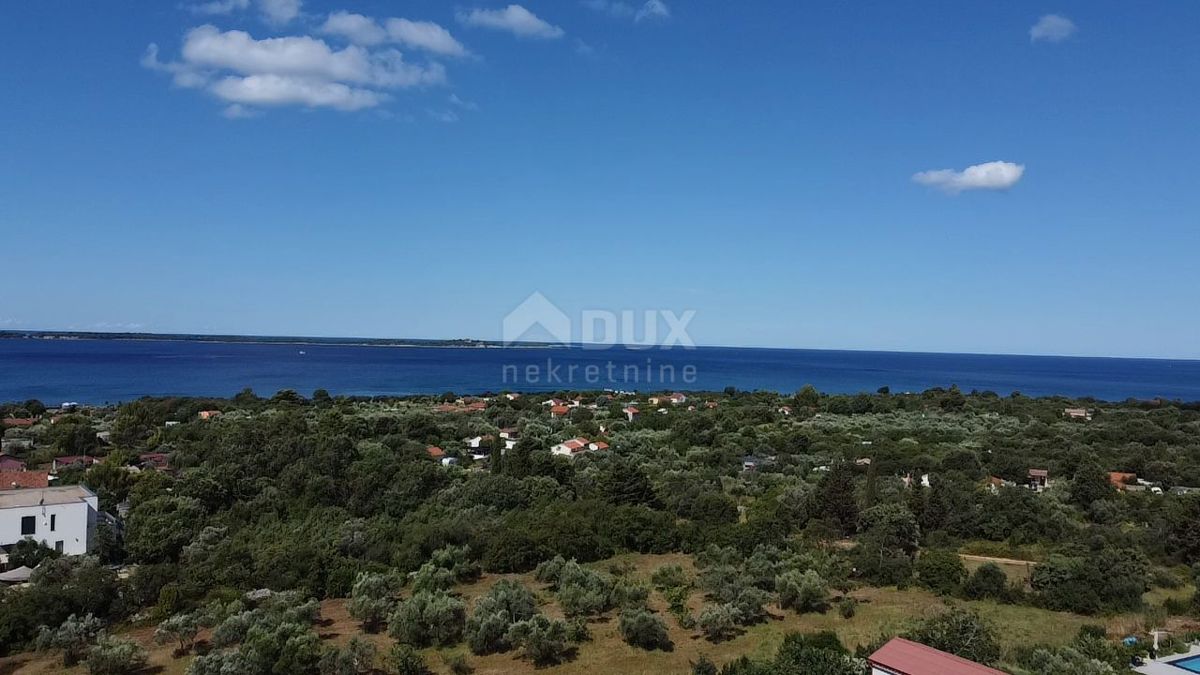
{"x": 630, "y": 409}
{"x": 1120, "y": 479}
{"x": 559, "y": 410}
{"x": 68, "y": 460}
{"x": 157, "y": 459}
{"x": 905, "y": 657}
{"x": 600, "y": 445}
{"x": 1039, "y": 473}
{"x": 19, "y": 421}
{"x": 24, "y": 479}
{"x": 435, "y": 452}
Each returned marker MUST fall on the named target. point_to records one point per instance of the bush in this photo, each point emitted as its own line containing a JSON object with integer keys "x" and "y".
{"x": 405, "y": 660}
{"x": 373, "y": 599}
{"x": 428, "y": 619}
{"x": 629, "y": 594}
{"x": 704, "y": 666}
{"x": 582, "y": 592}
{"x": 942, "y": 572}
{"x": 432, "y": 579}
{"x": 74, "y": 637}
{"x": 961, "y": 632}
{"x": 457, "y": 664}
{"x": 988, "y": 581}
{"x": 577, "y": 630}
{"x": 115, "y": 656}
{"x": 802, "y": 591}
{"x": 669, "y": 576}
{"x": 542, "y": 640}
{"x": 847, "y": 607}
{"x": 641, "y": 628}
{"x": 815, "y": 653}
{"x": 548, "y": 571}
{"x": 719, "y": 622}
{"x": 357, "y": 658}
{"x": 749, "y": 605}
{"x": 182, "y": 628}
{"x": 507, "y": 603}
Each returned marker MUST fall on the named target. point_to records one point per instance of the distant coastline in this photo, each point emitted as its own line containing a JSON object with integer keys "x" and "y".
{"x": 263, "y": 339}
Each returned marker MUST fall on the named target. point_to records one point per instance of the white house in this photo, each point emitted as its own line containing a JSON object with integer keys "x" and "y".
{"x": 63, "y": 518}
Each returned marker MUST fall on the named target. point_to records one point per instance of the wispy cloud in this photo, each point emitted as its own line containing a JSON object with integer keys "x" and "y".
{"x": 614, "y": 8}
{"x": 1052, "y": 28}
{"x": 301, "y": 70}
{"x": 456, "y": 101}
{"x": 219, "y": 6}
{"x": 653, "y": 9}
{"x": 514, "y": 19}
{"x": 279, "y": 12}
{"x": 583, "y": 48}
{"x": 986, "y": 176}
{"x": 444, "y": 116}
{"x": 237, "y": 111}
{"x": 619, "y": 9}
{"x": 274, "y": 12}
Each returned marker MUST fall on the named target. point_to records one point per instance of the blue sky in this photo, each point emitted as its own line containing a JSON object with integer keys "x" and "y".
{"x": 760, "y": 163}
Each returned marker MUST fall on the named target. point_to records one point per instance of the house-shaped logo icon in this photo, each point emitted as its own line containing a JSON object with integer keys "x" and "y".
{"x": 536, "y": 319}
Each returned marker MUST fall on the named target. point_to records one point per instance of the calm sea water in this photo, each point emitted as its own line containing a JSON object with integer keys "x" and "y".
{"x": 99, "y": 371}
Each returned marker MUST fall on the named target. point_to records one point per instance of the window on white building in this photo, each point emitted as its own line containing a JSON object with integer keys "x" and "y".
{"x": 53, "y": 521}
{"x": 28, "y": 525}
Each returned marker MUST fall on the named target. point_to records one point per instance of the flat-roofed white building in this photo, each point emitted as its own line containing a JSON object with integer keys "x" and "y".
{"x": 63, "y": 518}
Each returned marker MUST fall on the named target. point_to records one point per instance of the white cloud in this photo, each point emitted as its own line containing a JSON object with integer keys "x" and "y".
{"x": 425, "y": 35}
{"x": 279, "y": 12}
{"x": 987, "y": 176}
{"x": 237, "y": 111}
{"x": 514, "y": 19}
{"x": 301, "y": 70}
{"x": 363, "y": 30}
{"x": 356, "y": 28}
{"x": 616, "y": 8}
{"x": 219, "y": 6}
{"x": 653, "y": 9}
{"x": 276, "y": 90}
{"x": 584, "y": 49}
{"x": 1052, "y": 28}
{"x": 461, "y": 103}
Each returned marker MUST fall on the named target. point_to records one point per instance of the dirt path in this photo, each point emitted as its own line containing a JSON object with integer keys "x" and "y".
{"x": 998, "y": 561}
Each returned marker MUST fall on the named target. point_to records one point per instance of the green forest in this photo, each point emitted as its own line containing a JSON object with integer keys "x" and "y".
{"x": 698, "y": 520}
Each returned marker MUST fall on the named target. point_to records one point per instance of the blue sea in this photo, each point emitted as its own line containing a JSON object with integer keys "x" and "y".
{"x": 109, "y": 371}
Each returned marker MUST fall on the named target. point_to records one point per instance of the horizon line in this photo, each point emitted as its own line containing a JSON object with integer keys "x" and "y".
{"x": 316, "y": 339}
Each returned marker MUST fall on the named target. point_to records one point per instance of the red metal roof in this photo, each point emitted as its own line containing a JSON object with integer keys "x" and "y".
{"x": 905, "y": 657}
{"x": 24, "y": 479}
{"x": 11, "y": 464}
